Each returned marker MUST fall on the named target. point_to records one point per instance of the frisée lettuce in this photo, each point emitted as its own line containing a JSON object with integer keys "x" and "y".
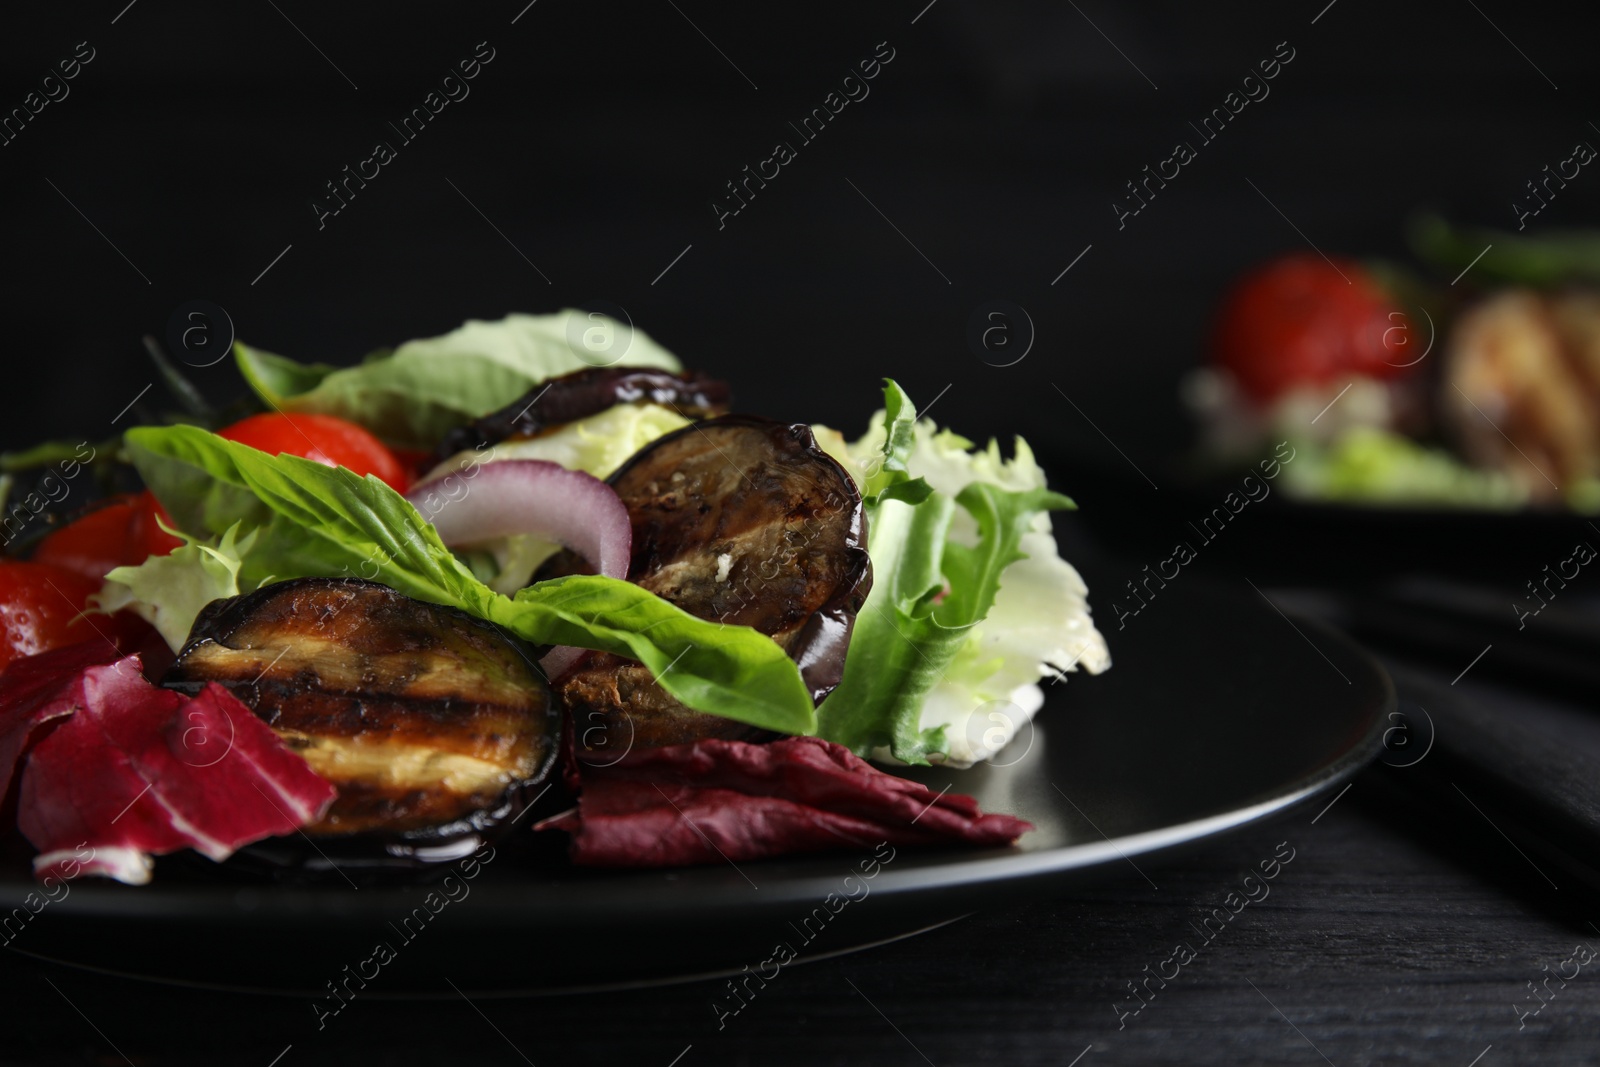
{"x": 971, "y": 604}
{"x": 169, "y": 591}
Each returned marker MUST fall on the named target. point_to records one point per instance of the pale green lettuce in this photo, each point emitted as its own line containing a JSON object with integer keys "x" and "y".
{"x": 971, "y": 604}
{"x": 1367, "y": 465}
{"x": 413, "y": 395}
{"x": 169, "y": 591}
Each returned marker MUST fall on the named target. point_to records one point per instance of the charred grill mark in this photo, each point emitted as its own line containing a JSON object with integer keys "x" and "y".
{"x": 740, "y": 520}
{"x": 425, "y": 718}
{"x": 484, "y": 731}
{"x": 330, "y": 666}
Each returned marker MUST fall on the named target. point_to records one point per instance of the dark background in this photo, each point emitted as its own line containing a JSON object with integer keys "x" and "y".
{"x": 996, "y": 142}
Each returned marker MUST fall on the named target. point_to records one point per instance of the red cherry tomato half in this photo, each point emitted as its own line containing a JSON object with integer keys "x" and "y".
{"x": 40, "y": 607}
{"x": 323, "y": 438}
{"x": 122, "y": 531}
{"x": 145, "y": 536}
{"x": 415, "y": 460}
{"x": 1303, "y": 320}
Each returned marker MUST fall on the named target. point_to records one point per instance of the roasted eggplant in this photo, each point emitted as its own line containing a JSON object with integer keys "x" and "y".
{"x": 588, "y": 392}
{"x": 433, "y": 725}
{"x": 740, "y": 520}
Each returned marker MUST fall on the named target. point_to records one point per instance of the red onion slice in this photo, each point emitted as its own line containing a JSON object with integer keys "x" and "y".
{"x": 561, "y": 659}
{"x": 531, "y": 496}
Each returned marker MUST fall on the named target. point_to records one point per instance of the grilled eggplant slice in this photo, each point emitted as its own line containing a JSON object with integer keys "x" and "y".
{"x": 588, "y": 392}
{"x": 740, "y": 520}
{"x": 432, "y": 724}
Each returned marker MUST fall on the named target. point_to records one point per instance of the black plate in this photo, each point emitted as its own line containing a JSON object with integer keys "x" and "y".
{"x": 1219, "y": 712}
{"x": 1281, "y": 540}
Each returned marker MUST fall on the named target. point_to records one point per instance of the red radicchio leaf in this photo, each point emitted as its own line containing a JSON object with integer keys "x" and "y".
{"x": 135, "y": 770}
{"x": 29, "y": 688}
{"x": 715, "y": 800}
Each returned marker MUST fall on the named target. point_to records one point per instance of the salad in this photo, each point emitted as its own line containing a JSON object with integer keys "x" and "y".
{"x": 385, "y": 612}
{"x": 1398, "y": 388}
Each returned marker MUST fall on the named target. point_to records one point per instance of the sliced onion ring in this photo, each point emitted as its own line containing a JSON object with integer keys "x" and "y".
{"x": 561, "y": 659}
{"x": 532, "y": 496}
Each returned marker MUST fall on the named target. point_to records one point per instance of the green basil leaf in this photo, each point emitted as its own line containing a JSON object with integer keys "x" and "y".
{"x": 277, "y": 378}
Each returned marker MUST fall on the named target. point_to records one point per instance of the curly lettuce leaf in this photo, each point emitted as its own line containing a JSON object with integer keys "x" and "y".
{"x": 973, "y": 571}
{"x": 970, "y": 604}
{"x": 169, "y": 591}
{"x": 412, "y": 396}
{"x": 318, "y": 521}
{"x": 921, "y": 614}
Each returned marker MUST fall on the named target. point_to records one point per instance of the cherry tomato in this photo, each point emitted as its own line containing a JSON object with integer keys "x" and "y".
{"x": 146, "y": 538}
{"x": 121, "y": 531}
{"x": 40, "y": 606}
{"x": 323, "y": 438}
{"x": 1301, "y": 319}
{"x": 416, "y": 461}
